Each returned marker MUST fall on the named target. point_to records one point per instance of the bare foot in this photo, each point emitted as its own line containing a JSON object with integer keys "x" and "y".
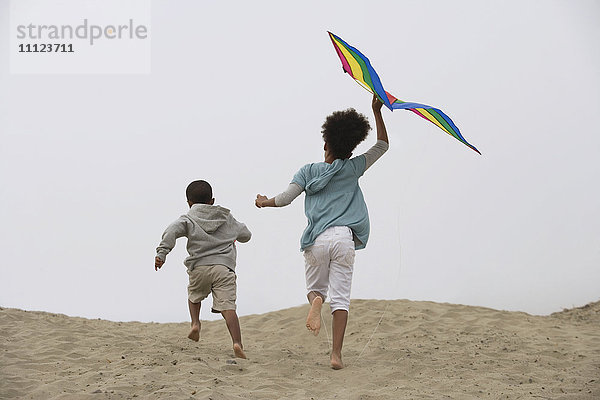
{"x": 336, "y": 362}
{"x": 195, "y": 333}
{"x": 313, "y": 321}
{"x": 239, "y": 352}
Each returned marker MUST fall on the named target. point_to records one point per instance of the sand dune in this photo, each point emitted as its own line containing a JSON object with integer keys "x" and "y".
{"x": 419, "y": 350}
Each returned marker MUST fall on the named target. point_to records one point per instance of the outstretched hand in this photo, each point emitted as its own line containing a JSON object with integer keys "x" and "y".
{"x": 376, "y": 104}
{"x": 158, "y": 263}
{"x": 260, "y": 199}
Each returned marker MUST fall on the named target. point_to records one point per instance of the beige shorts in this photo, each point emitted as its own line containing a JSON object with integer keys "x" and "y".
{"x": 216, "y": 279}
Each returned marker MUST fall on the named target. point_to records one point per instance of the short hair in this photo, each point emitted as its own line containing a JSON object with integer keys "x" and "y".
{"x": 343, "y": 131}
{"x": 199, "y": 192}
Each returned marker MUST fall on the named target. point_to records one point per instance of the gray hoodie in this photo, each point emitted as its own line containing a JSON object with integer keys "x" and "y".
{"x": 211, "y": 232}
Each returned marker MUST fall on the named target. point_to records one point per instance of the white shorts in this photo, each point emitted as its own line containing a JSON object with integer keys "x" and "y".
{"x": 329, "y": 264}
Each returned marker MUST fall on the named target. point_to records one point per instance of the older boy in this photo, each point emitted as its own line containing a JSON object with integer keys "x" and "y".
{"x": 211, "y": 232}
{"x": 338, "y": 220}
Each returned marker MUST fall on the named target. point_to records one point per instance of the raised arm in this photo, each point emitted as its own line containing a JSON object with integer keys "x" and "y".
{"x": 380, "y": 125}
{"x": 382, "y": 144}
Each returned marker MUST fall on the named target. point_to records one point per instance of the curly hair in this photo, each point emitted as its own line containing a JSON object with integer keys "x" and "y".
{"x": 343, "y": 131}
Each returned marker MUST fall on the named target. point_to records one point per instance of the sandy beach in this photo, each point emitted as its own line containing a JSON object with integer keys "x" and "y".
{"x": 393, "y": 350}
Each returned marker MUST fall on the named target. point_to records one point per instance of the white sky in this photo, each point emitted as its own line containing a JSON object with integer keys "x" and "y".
{"x": 94, "y": 167}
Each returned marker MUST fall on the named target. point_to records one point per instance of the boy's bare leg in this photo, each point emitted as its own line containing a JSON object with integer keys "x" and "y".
{"x": 338, "y": 327}
{"x": 195, "y": 314}
{"x": 233, "y": 325}
{"x": 313, "y": 321}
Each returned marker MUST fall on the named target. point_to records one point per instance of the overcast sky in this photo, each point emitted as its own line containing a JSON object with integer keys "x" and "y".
{"x": 94, "y": 167}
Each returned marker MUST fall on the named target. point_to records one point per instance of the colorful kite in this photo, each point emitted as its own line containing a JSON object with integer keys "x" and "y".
{"x": 359, "y": 68}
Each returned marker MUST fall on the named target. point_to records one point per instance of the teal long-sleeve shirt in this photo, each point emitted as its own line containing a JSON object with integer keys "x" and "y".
{"x": 333, "y": 196}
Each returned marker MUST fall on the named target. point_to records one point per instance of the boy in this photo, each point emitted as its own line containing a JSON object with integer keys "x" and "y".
{"x": 338, "y": 220}
{"x": 211, "y": 232}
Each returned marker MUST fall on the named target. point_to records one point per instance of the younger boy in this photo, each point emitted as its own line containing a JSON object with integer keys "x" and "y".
{"x": 211, "y": 232}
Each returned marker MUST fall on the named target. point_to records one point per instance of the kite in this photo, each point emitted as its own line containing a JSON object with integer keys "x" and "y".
{"x": 359, "y": 68}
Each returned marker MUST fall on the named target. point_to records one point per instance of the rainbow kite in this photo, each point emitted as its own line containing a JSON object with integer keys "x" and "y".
{"x": 359, "y": 68}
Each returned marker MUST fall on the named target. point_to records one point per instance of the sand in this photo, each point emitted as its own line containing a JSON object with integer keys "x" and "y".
{"x": 419, "y": 350}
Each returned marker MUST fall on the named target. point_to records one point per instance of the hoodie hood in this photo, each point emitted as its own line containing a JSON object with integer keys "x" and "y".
{"x": 320, "y": 181}
{"x": 208, "y": 217}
